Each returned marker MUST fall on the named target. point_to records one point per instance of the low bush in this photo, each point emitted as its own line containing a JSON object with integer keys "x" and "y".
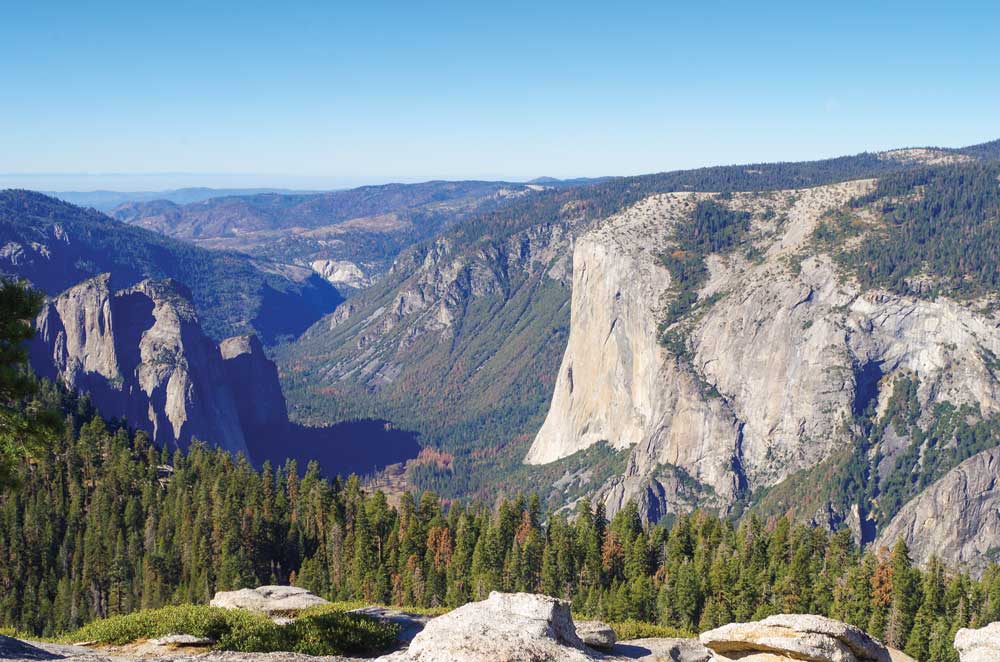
{"x": 325, "y": 630}
{"x": 632, "y": 629}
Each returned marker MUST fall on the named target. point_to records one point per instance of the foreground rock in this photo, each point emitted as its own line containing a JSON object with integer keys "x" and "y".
{"x": 275, "y": 601}
{"x": 793, "y": 637}
{"x": 183, "y": 641}
{"x": 596, "y": 634}
{"x": 508, "y": 627}
{"x": 981, "y": 645}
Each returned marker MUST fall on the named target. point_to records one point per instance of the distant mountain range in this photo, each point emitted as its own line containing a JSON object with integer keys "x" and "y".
{"x": 357, "y": 231}
{"x": 107, "y": 200}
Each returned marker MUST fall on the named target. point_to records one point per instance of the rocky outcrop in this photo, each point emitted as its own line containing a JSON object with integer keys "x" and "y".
{"x": 793, "y": 637}
{"x": 514, "y": 627}
{"x": 141, "y": 355}
{"x": 275, "y": 601}
{"x": 957, "y": 518}
{"x": 978, "y": 645}
{"x": 341, "y": 272}
{"x": 779, "y": 352}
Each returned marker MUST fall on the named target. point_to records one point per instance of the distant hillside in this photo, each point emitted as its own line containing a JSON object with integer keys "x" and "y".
{"x": 56, "y": 245}
{"x": 107, "y": 200}
{"x": 360, "y": 230}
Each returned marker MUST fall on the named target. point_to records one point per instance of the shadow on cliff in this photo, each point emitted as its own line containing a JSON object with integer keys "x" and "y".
{"x": 359, "y": 447}
{"x": 289, "y": 314}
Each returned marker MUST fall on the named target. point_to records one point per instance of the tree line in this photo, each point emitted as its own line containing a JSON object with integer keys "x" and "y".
{"x": 106, "y": 523}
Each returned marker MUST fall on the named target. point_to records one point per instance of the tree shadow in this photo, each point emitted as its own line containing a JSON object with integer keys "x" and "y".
{"x": 361, "y": 447}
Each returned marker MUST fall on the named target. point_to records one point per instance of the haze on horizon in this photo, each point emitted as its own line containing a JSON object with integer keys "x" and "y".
{"x": 319, "y": 96}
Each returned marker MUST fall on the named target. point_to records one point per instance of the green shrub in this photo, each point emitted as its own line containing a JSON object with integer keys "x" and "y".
{"x": 632, "y": 629}
{"x": 325, "y": 630}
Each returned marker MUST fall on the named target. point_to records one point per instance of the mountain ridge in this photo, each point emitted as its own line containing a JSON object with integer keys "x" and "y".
{"x": 56, "y": 245}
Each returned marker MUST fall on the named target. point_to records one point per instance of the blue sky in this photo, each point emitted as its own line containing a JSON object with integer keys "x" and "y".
{"x": 338, "y": 93}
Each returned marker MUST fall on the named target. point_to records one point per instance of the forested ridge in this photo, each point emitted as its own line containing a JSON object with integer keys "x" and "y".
{"x": 106, "y": 523}
{"x": 938, "y": 232}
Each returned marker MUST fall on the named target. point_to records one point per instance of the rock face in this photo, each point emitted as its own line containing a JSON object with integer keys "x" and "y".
{"x": 931, "y": 524}
{"x": 779, "y": 352}
{"x": 141, "y": 354}
{"x": 254, "y": 380}
{"x": 275, "y": 601}
{"x": 982, "y": 645}
{"x": 518, "y": 627}
{"x": 793, "y": 637}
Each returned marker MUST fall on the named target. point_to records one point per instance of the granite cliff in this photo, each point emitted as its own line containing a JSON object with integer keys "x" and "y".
{"x": 141, "y": 354}
{"x": 768, "y": 378}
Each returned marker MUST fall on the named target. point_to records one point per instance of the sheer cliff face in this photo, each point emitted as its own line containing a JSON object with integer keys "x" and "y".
{"x": 253, "y": 379}
{"x": 781, "y": 351}
{"x": 141, "y": 354}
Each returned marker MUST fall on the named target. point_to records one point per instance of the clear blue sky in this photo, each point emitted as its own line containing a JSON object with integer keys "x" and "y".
{"x": 337, "y": 93}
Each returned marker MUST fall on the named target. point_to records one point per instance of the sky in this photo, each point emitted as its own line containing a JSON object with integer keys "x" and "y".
{"x": 147, "y": 95}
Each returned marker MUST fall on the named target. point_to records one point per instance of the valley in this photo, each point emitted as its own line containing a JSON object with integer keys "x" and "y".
{"x": 776, "y": 352}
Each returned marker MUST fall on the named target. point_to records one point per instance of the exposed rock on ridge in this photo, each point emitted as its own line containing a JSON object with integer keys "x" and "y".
{"x": 341, "y": 272}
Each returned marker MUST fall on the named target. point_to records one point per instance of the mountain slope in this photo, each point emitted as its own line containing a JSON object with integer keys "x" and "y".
{"x": 931, "y": 527}
{"x": 56, "y": 245}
